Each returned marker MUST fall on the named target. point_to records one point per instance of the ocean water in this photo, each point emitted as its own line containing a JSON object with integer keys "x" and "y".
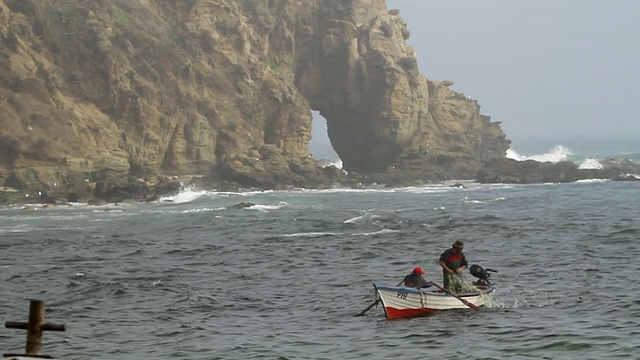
{"x": 191, "y": 277}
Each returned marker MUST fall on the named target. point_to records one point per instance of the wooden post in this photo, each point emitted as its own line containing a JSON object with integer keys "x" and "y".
{"x": 35, "y": 326}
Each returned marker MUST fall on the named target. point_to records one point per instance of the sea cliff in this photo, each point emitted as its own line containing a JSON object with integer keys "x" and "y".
{"x": 117, "y": 99}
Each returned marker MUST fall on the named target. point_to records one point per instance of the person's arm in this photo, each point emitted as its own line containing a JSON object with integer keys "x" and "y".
{"x": 445, "y": 267}
{"x": 463, "y": 264}
{"x": 443, "y": 263}
{"x": 423, "y": 283}
{"x": 406, "y": 281}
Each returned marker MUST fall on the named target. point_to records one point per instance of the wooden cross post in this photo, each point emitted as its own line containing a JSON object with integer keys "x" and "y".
{"x": 35, "y": 326}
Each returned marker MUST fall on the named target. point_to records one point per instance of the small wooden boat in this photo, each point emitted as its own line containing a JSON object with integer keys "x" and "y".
{"x": 404, "y": 302}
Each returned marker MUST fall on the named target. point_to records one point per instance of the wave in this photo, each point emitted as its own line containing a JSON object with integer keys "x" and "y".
{"x": 326, "y": 162}
{"x": 593, "y": 181}
{"x": 590, "y": 164}
{"x": 466, "y": 200}
{"x": 187, "y": 195}
{"x": 268, "y": 207}
{"x": 377, "y": 232}
{"x": 557, "y": 154}
{"x": 199, "y": 210}
{"x": 312, "y": 234}
{"x": 584, "y": 158}
{"x": 191, "y": 193}
{"x": 361, "y": 218}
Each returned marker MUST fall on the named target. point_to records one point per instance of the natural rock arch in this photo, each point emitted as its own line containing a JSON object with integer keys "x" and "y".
{"x": 103, "y": 95}
{"x": 381, "y": 113}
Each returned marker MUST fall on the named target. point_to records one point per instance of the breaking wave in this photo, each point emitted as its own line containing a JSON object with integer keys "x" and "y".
{"x": 584, "y": 160}
{"x": 557, "y": 154}
{"x": 325, "y": 163}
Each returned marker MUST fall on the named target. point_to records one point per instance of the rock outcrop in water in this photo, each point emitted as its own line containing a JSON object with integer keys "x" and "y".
{"x": 112, "y": 98}
{"x": 510, "y": 171}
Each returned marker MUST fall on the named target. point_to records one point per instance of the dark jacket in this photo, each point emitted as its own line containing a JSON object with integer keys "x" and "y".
{"x": 453, "y": 260}
{"x": 416, "y": 280}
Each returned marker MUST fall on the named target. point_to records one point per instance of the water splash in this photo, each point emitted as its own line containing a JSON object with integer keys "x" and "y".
{"x": 186, "y": 195}
{"x": 266, "y": 208}
{"x": 557, "y": 154}
{"x": 590, "y": 164}
{"x": 325, "y": 163}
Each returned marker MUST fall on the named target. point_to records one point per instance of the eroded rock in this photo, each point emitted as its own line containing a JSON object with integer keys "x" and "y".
{"x": 96, "y": 95}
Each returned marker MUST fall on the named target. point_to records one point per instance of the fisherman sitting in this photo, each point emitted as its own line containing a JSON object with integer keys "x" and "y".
{"x": 416, "y": 279}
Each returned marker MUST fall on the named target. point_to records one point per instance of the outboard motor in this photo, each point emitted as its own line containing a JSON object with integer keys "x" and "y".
{"x": 482, "y": 274}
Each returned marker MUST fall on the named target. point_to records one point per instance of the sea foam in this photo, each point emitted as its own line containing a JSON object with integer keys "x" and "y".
{"x": 557, "y": 154}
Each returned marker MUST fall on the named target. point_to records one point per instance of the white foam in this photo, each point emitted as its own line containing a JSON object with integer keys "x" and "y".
{"x": 383, "y": 231}
{"x": 2, "y": 231}
{"x": 311, "y": 234}
{"x": 325, "y": 163}
{"x": 359, "y": 218}
{"x": 557, "y": 154}
{"x": 590, "y": 181}
{"x": 243, "y": 193}
{"x": 426, "y": 189}
{"x": 590, "y": 164}
{"x": 466, "y": 200}
{"x": 186, "y": 196}
{"x": 190, "y": 211}
{"x": 353, "y": 220}
{"x": 267, "y": 207}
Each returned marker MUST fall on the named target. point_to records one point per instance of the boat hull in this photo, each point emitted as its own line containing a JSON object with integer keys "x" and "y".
{"x": 403, "y": 302}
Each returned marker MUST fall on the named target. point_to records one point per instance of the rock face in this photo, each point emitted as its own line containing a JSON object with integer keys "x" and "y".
{"x": 107, "y": 97}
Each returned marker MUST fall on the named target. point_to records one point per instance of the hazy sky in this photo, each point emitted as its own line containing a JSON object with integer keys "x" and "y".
{"x": 549, "y": 70}
{"x": 542, "y": 67}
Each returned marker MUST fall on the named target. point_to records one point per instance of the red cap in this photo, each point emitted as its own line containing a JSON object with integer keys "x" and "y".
{"x": 418, "y": 270}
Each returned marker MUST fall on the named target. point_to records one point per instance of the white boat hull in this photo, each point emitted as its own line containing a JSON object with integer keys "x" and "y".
{"x": 403, "y": 302}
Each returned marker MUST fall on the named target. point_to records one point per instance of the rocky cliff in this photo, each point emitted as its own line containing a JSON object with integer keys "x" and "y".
{"x": 107, "y": 97}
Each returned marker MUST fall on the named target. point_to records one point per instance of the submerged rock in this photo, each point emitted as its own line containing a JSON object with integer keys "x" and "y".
{"x": 243, "y": 205}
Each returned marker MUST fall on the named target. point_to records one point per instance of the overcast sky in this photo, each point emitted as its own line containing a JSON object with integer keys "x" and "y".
{"x": 560, "y": 68}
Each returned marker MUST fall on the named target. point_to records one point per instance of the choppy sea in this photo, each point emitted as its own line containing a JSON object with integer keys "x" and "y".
{"x": 192, "y": 277}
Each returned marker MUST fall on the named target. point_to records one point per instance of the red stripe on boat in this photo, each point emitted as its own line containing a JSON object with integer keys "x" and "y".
{"x": 393, "y": 313}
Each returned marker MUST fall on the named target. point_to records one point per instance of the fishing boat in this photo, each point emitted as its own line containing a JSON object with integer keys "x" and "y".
{"x": 406, "y": 302}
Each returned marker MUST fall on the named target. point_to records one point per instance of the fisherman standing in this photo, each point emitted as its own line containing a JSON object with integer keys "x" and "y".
{"x": 453, "y": 262}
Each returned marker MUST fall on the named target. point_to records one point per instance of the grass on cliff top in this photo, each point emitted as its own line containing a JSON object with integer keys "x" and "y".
{"x": 121, "y": 15}
{"x": 15, "y": 197}
{"x": 273, "y": 64}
